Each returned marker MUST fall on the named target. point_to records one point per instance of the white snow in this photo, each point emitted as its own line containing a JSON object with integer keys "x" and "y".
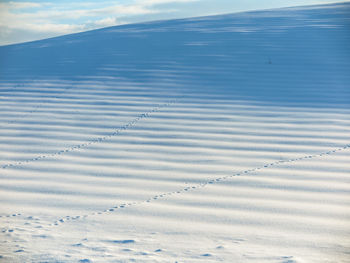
{"x": 214, "y": 139}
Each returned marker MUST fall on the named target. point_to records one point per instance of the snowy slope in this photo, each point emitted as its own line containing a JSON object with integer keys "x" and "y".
{"x": 213, "y": 139}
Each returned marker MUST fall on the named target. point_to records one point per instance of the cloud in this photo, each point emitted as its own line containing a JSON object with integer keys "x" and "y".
{"x": 53, "y": 28}
{"x": 56, "y": 13}
{"x": 109, "y": 21}
{"x": 160, "y": 2}
{"x": 55, "y": 18}
{"x": 122, "y": 10}
{"x": 22, "y": 5}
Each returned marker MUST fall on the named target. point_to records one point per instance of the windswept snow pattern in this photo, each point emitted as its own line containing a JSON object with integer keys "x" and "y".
{"x": 211, "y": 139}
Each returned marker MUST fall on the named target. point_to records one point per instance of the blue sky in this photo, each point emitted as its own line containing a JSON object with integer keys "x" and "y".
{"x": 22, "y": 21}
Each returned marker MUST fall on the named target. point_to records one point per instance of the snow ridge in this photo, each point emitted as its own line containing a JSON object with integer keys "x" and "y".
{"x": 126, "y": 126}
{"x": 201, "y": 185}
{"x": 212, "y": 139}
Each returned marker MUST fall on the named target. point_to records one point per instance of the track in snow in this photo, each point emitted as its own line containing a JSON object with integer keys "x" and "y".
{"x": 266, "y": 89}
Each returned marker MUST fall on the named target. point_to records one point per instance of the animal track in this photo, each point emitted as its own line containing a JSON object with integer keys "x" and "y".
{"x": 186, "y": 189}
{"x": 39, "y": 105}
{"x": 93, "y": 141}
{"x": 11, "y": 215}
{"x": 201, "y": 185}
{"x": 126, "y": 241}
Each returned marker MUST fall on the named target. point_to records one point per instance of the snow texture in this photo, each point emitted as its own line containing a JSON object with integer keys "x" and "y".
{"x": 211, "y": 139}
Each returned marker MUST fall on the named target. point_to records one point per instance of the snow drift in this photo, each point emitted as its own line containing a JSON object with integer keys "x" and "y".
{"x": 222, "y": 138}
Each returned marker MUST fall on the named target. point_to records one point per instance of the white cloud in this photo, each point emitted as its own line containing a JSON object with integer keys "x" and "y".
{"x": 76, "y": 13}
{"x": 62, "y": 18}
{"x": 109, "y": 21}
{"x": 21, "y": 5}
{"x": 122, "y": 10}
{"x": 53, "y": 28}
{"x": 158, "y": 2}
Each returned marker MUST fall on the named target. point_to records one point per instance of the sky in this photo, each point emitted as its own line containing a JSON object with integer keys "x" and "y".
{"x": 22, "y": 21}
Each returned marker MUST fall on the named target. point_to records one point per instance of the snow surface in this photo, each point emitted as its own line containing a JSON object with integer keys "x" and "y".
{"x": 212, "y": 139}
